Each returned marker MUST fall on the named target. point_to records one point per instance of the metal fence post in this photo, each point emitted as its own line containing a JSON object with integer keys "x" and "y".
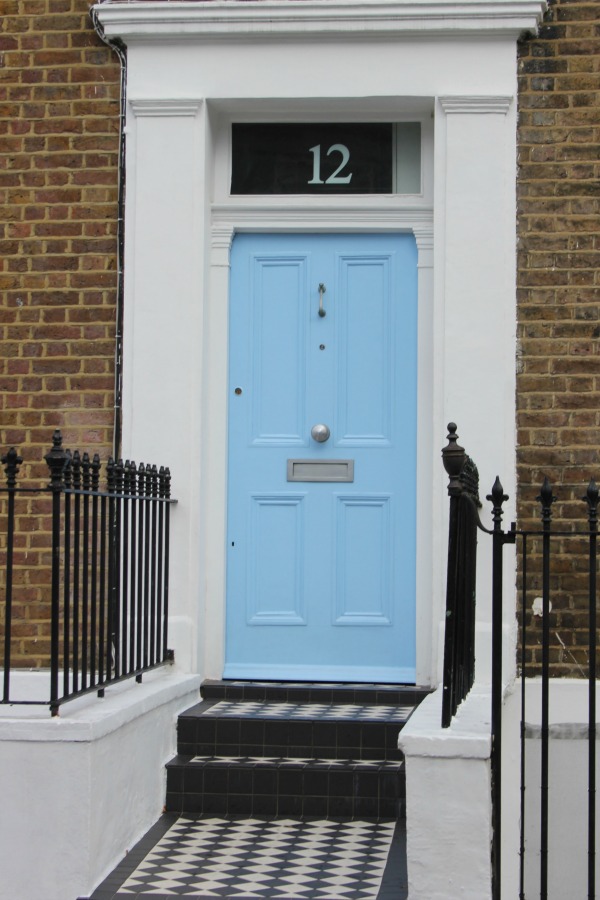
{"x": 497, "y": 497}
{"x": 56, "y": 460}
{"x": 592, "y": 497}
{"x": 546, "y": 499}
{"x": 11, "y": 462}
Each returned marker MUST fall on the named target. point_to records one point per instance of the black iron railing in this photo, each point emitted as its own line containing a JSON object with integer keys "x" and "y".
{"x": 459, "y": 646}
{"x": 105, "y": 555}
{"x": 543, "y": 555}
{"x": 541, "y": 648}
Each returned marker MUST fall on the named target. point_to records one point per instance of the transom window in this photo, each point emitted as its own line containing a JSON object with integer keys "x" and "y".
{"x": 326, "y": 158}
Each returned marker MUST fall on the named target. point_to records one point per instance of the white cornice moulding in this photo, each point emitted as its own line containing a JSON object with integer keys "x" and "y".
{"x": 226, "y": 220}
{"x": 475, "y": 104}
{"x": 165, "y": 107}
{"x": 198, "y": 19}
{"x": 423, "y": 232}
{"x": 227, "y": 217}
{"x": 221, "y": 240}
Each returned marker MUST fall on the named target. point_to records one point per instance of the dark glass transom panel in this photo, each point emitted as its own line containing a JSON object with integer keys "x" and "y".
{"x": 312, "y": 158}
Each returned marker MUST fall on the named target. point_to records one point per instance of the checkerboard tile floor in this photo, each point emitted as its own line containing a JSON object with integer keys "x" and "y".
{"x": 250, "y": 858}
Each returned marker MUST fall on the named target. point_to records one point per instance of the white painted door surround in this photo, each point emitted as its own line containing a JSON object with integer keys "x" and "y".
{"x": 195, "y": 67}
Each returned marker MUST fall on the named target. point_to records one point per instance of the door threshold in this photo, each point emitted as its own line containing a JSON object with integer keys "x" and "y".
{"x": 324, "y": 674}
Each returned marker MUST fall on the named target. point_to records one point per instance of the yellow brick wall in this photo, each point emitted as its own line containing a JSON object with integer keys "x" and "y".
{"x": 59, "y": 117}
{"x": 558, "y": 385}
{"x": 59, "y": 108}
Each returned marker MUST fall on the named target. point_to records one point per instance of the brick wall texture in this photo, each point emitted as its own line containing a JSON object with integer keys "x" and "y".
{"x": 558, "y": 382}
{"x": 59, "y": 105}
{"x": 59, "y": 108}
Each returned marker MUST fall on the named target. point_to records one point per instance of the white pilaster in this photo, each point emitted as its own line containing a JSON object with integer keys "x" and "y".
{"x": 476, "y": 301}
{"x": 164, "y": 272}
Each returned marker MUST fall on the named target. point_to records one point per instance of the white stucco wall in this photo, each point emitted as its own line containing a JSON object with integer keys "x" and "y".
{"x": 81, "y": 789}
{"x": 448, "y": 800}
{"x": 568, "y": 789}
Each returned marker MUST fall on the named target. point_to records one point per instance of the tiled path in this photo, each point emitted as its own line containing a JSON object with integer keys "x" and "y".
{"x": 272, "y": 859}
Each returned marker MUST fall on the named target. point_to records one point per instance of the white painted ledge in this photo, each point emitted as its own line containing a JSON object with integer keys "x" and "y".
{"x": 568, "y": 701}
{"x": 274, "y": 18}
{"x": 468, "y": 737}
{"x": 89, "y": 718}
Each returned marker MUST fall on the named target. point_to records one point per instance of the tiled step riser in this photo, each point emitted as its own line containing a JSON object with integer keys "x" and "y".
{"x": 263, "y": 792}
{"x": 305, "y": 806}
{"x": 253, "y": 737}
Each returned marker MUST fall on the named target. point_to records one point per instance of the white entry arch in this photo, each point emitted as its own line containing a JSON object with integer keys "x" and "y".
{"x": 193, "y": 68}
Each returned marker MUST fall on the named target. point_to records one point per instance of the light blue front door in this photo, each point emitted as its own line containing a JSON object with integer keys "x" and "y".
{"x": 321, "y": 533}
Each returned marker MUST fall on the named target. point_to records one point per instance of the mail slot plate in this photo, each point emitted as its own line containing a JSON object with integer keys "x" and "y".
{"x": 320, "y": 470}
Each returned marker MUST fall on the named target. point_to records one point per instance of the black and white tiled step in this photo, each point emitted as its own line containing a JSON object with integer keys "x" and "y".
{"x": 314, "y": 692}
{"x": 248, "y": 753}
{"x": 264, "y": 786}
{"x": 291, "y": 750}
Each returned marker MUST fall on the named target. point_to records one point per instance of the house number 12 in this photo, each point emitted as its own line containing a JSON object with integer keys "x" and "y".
{"x": 336, "y": 177}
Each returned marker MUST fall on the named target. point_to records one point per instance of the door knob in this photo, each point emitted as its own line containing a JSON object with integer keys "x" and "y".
{"x": 320, "y": 433}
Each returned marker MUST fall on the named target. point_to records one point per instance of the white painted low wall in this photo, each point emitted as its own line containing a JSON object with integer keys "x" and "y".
{"x": 79, "y": 790}
{"x": 568, "y": 789}
{"x": 448, "y": 798}
{"x": 449, "y": 795}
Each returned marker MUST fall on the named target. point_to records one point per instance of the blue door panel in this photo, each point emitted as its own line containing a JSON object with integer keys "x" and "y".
{"x": 275, "y": 593}
{"x": 278, "y": 367}
{"x": 364, "y": 560}
{"x": 321, "y": 575}
{"x": 365, "y": 320}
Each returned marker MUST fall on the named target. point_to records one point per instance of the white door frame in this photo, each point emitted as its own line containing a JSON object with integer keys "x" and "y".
{"x": 225, "y": 225}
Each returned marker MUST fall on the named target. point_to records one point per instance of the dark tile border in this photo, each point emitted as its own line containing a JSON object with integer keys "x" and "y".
{"x": 394, "y": 884}
{"x": 108, "y": 888}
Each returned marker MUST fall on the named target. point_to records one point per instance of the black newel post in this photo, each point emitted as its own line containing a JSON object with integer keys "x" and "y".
{"x": 11, "y": 462}
{"x": 453, "y": 456}
{"x": 56, "y": 460}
